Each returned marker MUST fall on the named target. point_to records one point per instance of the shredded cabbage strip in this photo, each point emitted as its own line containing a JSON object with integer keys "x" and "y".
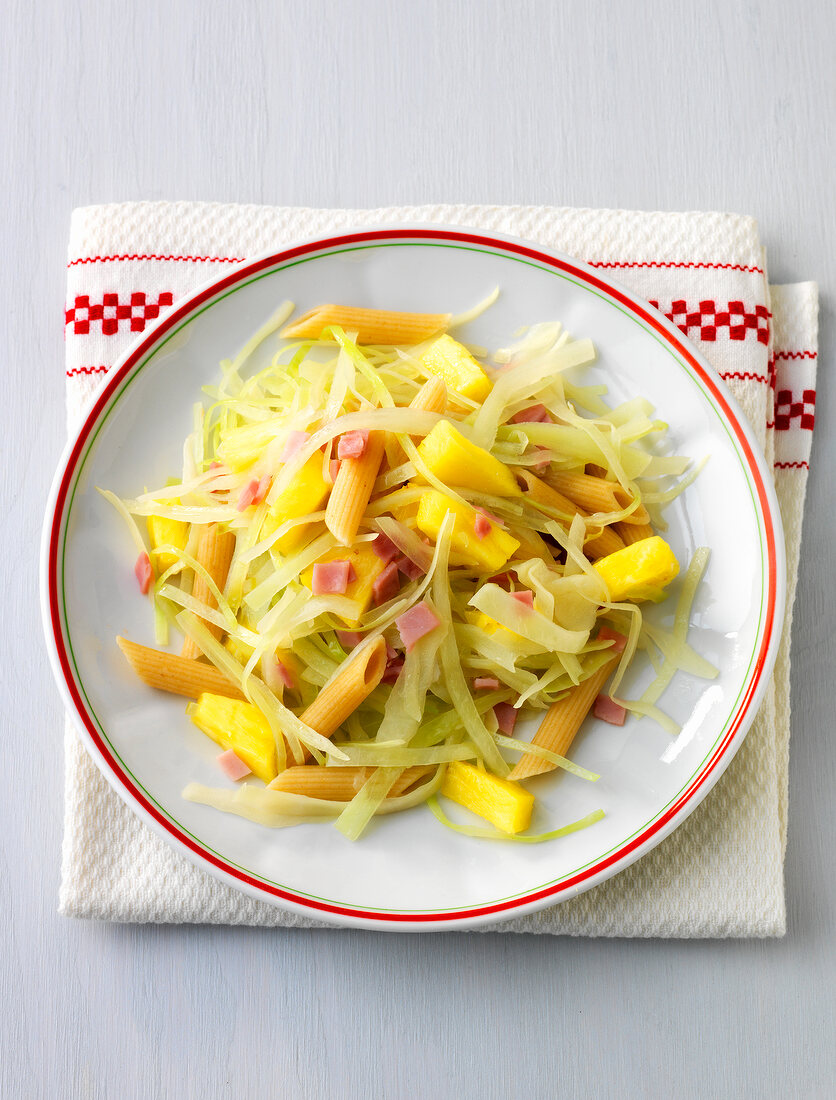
{"x": 518, "y": 838}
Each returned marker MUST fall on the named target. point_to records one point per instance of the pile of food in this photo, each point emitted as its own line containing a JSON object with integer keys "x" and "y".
{"x": 387, "y": 548}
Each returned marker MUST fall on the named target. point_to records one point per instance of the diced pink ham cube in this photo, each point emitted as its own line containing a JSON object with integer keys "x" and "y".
{"x": 482, "y": 525}
{"x": 609, "y": 711}
{"x": 386, "y": 584}
{"x": 526, "y": 598}
{"x": 293, "y": 444}
{"x": 277, "y": 675}
{"x": 333, "y": 469}
{"x": 348, "y": 639}
{"x": 534, "y": 414}
{"x": 419, "y": 620}
{"x": 330, "y": 578}
{"x": 285, "y": 675}
{"x": 385, "y": 548}
{"x": 144, "y": 573}
{"x": 607, "y": 634}
{"x": 485, "y": 683}
{"x": 506, "y": 717}
{"x": 233, "y": 765}
{"x": 409, "y": 568}
{"x": 353, "y": 444}
{"x": 263, "y": 489}
{"x": 248, "y": 495}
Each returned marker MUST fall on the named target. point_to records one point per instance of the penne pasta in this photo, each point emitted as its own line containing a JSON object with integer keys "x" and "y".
{"x": 634, "y": 532}
{"x": 340, "y": 784}
{"x": 595, "y": 494}
{"x": 607, "y": 542}
{"x": 175, "y": 673}
{"x": 215, "y": 548}
{"x": 639, "y": 518}
{"x": 352, "y": 490}
{"x": 373, "y": 326}
{"x": 432, "y": 397}
{"x": 563, "y": 720}
{"x": 538, "y": 491}
{"x": 347, "y": 690}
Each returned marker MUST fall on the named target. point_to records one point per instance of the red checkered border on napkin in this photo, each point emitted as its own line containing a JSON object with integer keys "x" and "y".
{"x": 136, "y": 309}
{"x": 705, "y": 320}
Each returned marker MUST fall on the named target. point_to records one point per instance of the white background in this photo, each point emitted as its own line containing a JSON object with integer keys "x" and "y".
{"x": 717, "y": 105}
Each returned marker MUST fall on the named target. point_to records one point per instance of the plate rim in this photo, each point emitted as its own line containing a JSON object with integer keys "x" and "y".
{"x": 698, "y": 786}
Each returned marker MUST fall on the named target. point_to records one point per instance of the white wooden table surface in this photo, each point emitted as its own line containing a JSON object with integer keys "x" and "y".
{"x": 717, "y": 105}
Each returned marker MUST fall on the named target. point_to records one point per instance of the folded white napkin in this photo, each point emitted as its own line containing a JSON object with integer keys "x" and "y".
{"x": 721, "y": 872}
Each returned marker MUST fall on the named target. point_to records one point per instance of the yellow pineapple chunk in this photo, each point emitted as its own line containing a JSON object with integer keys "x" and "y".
{"x": 491, "y": 626}
{"x": 457, "y": 461}
{"x": 367, "y": 567}
{"x": 306, "y": 493}
{"x": 449, "y": 360}
{"x": 486, "y": 554}
{"x": 638, "y": 571}
{"x": 239, "y": 726}
{"x": 167, "y": 532}
{"x": 504, "y": 803}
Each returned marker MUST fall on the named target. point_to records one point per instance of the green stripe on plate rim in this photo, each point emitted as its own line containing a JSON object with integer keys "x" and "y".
{"x": 117, "y": 396}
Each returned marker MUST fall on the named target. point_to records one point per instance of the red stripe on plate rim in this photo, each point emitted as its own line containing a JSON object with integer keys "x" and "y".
{"x": 568, "y": 886}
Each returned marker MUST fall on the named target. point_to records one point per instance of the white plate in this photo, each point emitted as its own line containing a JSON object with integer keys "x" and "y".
{"x": 409, "y": 872}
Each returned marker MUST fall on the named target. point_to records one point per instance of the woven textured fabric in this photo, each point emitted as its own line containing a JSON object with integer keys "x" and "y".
{"x": 721, "y": 872}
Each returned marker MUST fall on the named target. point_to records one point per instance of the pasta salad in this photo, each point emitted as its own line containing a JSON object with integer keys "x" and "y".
{"x": 386, "y": 547}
